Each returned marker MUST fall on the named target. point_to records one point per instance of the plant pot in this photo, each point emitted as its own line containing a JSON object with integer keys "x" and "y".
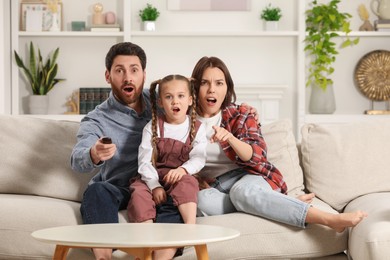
{"x": 322, "y": 101}
{"x": 38, "y": 104}
{"x": 271, "y": 25}
{"x": 149, "y": 26}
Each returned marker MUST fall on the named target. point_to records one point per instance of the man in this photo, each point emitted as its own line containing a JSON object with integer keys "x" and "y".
{"x": 121, "y": 117}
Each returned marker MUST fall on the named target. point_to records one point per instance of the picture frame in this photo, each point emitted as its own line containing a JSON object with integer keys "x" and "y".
{"x": 209, "y": 5}
{"x": 47, "y": 15}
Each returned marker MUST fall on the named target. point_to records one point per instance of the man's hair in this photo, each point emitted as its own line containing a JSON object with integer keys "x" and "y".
{"x": 125, "y": 48}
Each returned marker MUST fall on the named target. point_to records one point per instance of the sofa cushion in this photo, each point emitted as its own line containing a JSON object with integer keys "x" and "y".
{"x": 345, "y": 161}
{"x": 259, "y": 238}
{"x": 283, "y": 153}
{"x": 371, "y": 238}
{"x": 35, "y": 158}
{"x": 23, "y": 214}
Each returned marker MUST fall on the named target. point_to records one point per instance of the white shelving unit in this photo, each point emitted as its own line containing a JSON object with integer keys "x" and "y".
{"x": 254, "y": 56}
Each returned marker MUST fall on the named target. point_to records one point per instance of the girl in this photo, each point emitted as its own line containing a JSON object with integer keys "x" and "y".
{"x": 172, "y": 150}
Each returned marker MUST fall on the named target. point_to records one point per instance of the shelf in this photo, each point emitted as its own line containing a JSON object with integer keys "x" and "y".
{"x": 215, "y": 33}
{"x": 71, "y": 34}
{"x": 342, "y": 118}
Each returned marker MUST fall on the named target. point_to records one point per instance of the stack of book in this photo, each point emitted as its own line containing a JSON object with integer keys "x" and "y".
{"x": 91, "y": 97}
{"x": 105, "y": 28}
{"x": 382, "y": 25}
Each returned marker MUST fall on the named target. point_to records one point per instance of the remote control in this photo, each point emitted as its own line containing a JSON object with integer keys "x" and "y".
{"x": 106, "y": 140}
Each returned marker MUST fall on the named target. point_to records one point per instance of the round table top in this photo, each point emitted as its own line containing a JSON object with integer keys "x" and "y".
{"x": 135, "y": 235}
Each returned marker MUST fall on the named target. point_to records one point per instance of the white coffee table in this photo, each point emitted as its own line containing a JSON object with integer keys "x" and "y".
{"x": 135, "y": 239}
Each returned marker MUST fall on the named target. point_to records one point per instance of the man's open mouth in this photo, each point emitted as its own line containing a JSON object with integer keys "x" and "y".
{"x": 128, "y": 89}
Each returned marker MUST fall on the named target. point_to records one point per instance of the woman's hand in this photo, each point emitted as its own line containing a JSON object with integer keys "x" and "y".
{"x": 221, "y": 134}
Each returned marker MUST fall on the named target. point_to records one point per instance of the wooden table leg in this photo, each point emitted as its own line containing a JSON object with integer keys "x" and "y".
{"x": 61, "y": 252}
{"x": 201, "y": 252}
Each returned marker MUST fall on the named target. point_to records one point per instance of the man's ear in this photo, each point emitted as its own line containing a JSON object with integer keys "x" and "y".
{"x": 107, "y": 75}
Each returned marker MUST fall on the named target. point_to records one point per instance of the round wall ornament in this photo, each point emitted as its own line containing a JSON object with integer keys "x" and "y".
{"x": 372, "y": 75}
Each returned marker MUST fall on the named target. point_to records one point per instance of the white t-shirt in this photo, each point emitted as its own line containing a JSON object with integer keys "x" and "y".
{"x": 217, "y": 162}
{"x": 180, "y": 132}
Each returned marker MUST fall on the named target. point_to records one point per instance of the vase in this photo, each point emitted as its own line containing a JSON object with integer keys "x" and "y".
{"x": 38, "y": 104}
{"x": 54, "y": 23}
{"x": 149, "y": 26}
{"x": 322, "y": 101}
{"x": 271, "y": 25}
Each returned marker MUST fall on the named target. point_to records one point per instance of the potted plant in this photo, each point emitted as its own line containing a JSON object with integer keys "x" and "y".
{"x": 271, "y": 16}
{"x": 148, "y": 16}
{"x": 41, "y": 76}
{"x": 323, "y": 24}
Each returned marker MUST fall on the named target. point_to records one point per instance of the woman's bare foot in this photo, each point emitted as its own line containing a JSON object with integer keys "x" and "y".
{"x": 308, "y": 198}
{"x": 338, "y": 222}
{"x": 343, "y": 220}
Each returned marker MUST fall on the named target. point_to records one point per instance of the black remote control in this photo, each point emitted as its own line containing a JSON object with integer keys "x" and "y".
{"x": 106, "y": 140}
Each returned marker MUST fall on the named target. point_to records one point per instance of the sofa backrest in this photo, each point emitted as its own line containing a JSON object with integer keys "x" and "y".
{"x": 283, "y": 153}
{"x": 35, "y": 158}
{"x": 344, "y": 161}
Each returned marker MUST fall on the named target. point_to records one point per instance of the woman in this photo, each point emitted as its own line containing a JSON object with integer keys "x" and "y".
{"x": 243, "y": 179}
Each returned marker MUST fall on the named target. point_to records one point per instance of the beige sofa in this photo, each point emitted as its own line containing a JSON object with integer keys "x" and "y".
{"x": 345, "y": 165}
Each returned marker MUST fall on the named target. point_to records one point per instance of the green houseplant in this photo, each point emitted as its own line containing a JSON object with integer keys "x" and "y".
{"x": 323, "y": 21}
{"x": 149, "y": 13}
{"x": 270, "y": 13}
{"x": 40, "y": 75}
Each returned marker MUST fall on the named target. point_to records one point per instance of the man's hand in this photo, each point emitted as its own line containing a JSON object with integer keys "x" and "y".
{"x": 221, "y": 134}
{"x": 102, "y": 152}
{"x": 159, "y": 195}
{"x": 174, "y": 175}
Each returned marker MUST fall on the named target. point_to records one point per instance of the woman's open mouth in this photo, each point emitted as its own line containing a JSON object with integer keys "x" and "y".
{"x": 211, "y": 100}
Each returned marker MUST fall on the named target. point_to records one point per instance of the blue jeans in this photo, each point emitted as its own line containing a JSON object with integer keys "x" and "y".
{"x": 238, "y": 190}
{"x": 102, "y": 201}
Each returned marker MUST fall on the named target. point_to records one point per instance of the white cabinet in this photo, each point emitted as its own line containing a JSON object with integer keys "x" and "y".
{"x": 254, "y": 56}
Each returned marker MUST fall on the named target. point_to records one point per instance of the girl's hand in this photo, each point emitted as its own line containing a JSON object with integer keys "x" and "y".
{"x": 221, "y": 134}
{"x": 159, "y": 195}
{"x": 174, "y": 175}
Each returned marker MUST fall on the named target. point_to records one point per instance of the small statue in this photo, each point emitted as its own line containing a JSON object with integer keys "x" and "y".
{"x": 73, "y": 104}
{"x": 364, "y": 15}
{"x": 98, "y": 16}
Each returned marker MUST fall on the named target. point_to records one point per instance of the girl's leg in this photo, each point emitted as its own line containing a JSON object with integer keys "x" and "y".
{"x": 188, "y": 212}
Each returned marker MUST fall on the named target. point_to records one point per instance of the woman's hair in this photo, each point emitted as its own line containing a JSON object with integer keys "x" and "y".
{"x": 153, "y": 100}
{"x": 214, "y": 62}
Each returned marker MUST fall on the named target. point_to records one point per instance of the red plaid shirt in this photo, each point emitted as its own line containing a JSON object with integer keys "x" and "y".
{"x": 242, "y": 124}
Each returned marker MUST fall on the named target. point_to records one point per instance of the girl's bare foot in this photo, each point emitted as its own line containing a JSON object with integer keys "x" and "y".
{"x": 343, "y": 220}
{"x": 308, "y": 198}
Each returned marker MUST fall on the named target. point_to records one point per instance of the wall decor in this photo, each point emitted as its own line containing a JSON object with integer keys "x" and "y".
{"x": 372, "y": 78}
{"x": 208, "y": 5}
{"x": 47, "y": 16}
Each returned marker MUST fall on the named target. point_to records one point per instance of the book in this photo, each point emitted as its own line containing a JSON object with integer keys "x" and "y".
{"x": 91, "y": 97}
{"x": 105, "y": 28}
{"x": 383, "y": 29}
{"x": 96, "y": 29}
{"x": 385, "y": 25}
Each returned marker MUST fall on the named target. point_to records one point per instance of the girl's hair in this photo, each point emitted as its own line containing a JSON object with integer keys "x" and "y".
{"x": 214, "y": 62}
{"x": 153, "y": 100}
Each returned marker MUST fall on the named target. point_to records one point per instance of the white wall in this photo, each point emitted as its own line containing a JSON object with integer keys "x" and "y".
{"x": 5, "y": 97}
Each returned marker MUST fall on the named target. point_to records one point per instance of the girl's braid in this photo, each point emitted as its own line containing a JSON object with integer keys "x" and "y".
{"x": 192, "y": 110}
{"x": 153, "y": 101}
